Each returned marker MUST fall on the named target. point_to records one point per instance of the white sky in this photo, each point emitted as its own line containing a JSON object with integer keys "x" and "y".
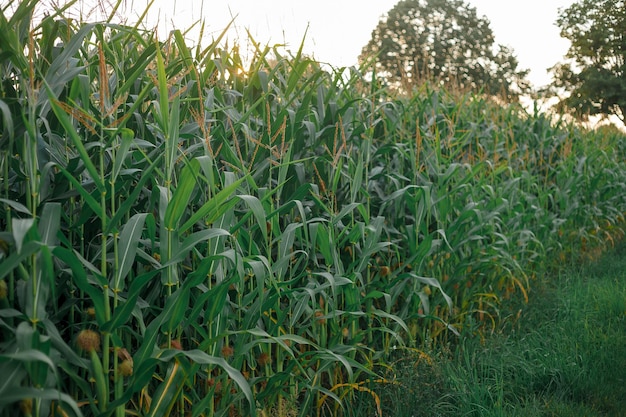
{"x": 338, "y": 29}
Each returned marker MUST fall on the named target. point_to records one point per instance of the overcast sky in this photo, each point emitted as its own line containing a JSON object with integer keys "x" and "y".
{"x": 338, "y": 29}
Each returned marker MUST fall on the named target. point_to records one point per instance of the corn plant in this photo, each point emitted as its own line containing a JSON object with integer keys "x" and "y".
{"x": 188, "y": 232}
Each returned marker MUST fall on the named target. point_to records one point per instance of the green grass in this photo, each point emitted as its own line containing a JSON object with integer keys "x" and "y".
{"x": 563, "y": 355}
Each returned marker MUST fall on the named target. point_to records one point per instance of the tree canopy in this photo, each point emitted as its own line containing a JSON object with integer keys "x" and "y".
{"x": 446, "y": 41}
{"x": 594, "y": 75}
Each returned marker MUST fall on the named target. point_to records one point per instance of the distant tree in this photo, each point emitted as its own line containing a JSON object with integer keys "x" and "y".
{"x": 446, "y": 41}
{"x": 594, "y": 75}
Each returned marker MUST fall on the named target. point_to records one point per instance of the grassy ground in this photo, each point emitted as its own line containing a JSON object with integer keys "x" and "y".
{"x": 564, "y": 356}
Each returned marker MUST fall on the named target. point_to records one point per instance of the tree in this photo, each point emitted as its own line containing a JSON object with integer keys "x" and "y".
{"x": 594, "y": 75}
{"x": 443, "y": 40}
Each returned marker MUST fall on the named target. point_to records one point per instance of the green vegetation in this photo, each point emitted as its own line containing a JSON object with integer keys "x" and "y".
{"x": 183, "y": 234}
{"x": 445, "y": 41}
{"x": 592, "y": 79}
{"x": 564, "y": 354}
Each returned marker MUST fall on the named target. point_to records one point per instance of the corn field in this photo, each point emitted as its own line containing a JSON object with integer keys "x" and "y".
{"x": 184, "y": 232}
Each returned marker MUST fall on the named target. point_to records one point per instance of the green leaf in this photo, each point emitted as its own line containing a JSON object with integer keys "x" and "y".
{"x": 132, "y": 76}
{"x": 179, "y": 307}
{"x": 163, "y": 107}
{"x": 393, "y": 317}
{"x": 203, "y": 358}
{"x": 127, "y": 249}
{"x": 434, "y": 283}
{"x": 50, "y": 223}
{"x": 13, "y": 374}
{"x": 12, "y": 262}
{"x": 29, "y": 355}
{"x": 168, "y": 392}
{"x": 127, "y": 136}
{"x": 63, "y": 69}
{"x": 218, "y": 297}
{"x": 76, "y": 141}
{"x": 86, "y": 195}
{"x": 16, "y": 206}
{"x": 190, "y": 242}
{"x": 180, "y": 199}
{"x": 62, "y": 346}
{"x": 129, "y": 202}
{"x": 257, "y": 210}
{"x": 79, "y": 277}
{"x": 15, "y": 394}
{"x": 154, "y": 328}
{"x": 21, "y": 227}
{"x": 214, "y": 208}
{"x": 124, "y": 312}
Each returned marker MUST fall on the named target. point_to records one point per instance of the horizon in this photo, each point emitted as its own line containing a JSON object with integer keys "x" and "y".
{"x": 329, "y": 36}
{"x": 282, "y": 23}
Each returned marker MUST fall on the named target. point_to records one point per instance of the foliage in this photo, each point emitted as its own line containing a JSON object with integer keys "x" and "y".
{"x": 181, "y": 234}
{"x": 562, "y": 354}
{"x": 594, "y": 77}
{"x": 565, "y": 356}
{"x": 446, "y": 41}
